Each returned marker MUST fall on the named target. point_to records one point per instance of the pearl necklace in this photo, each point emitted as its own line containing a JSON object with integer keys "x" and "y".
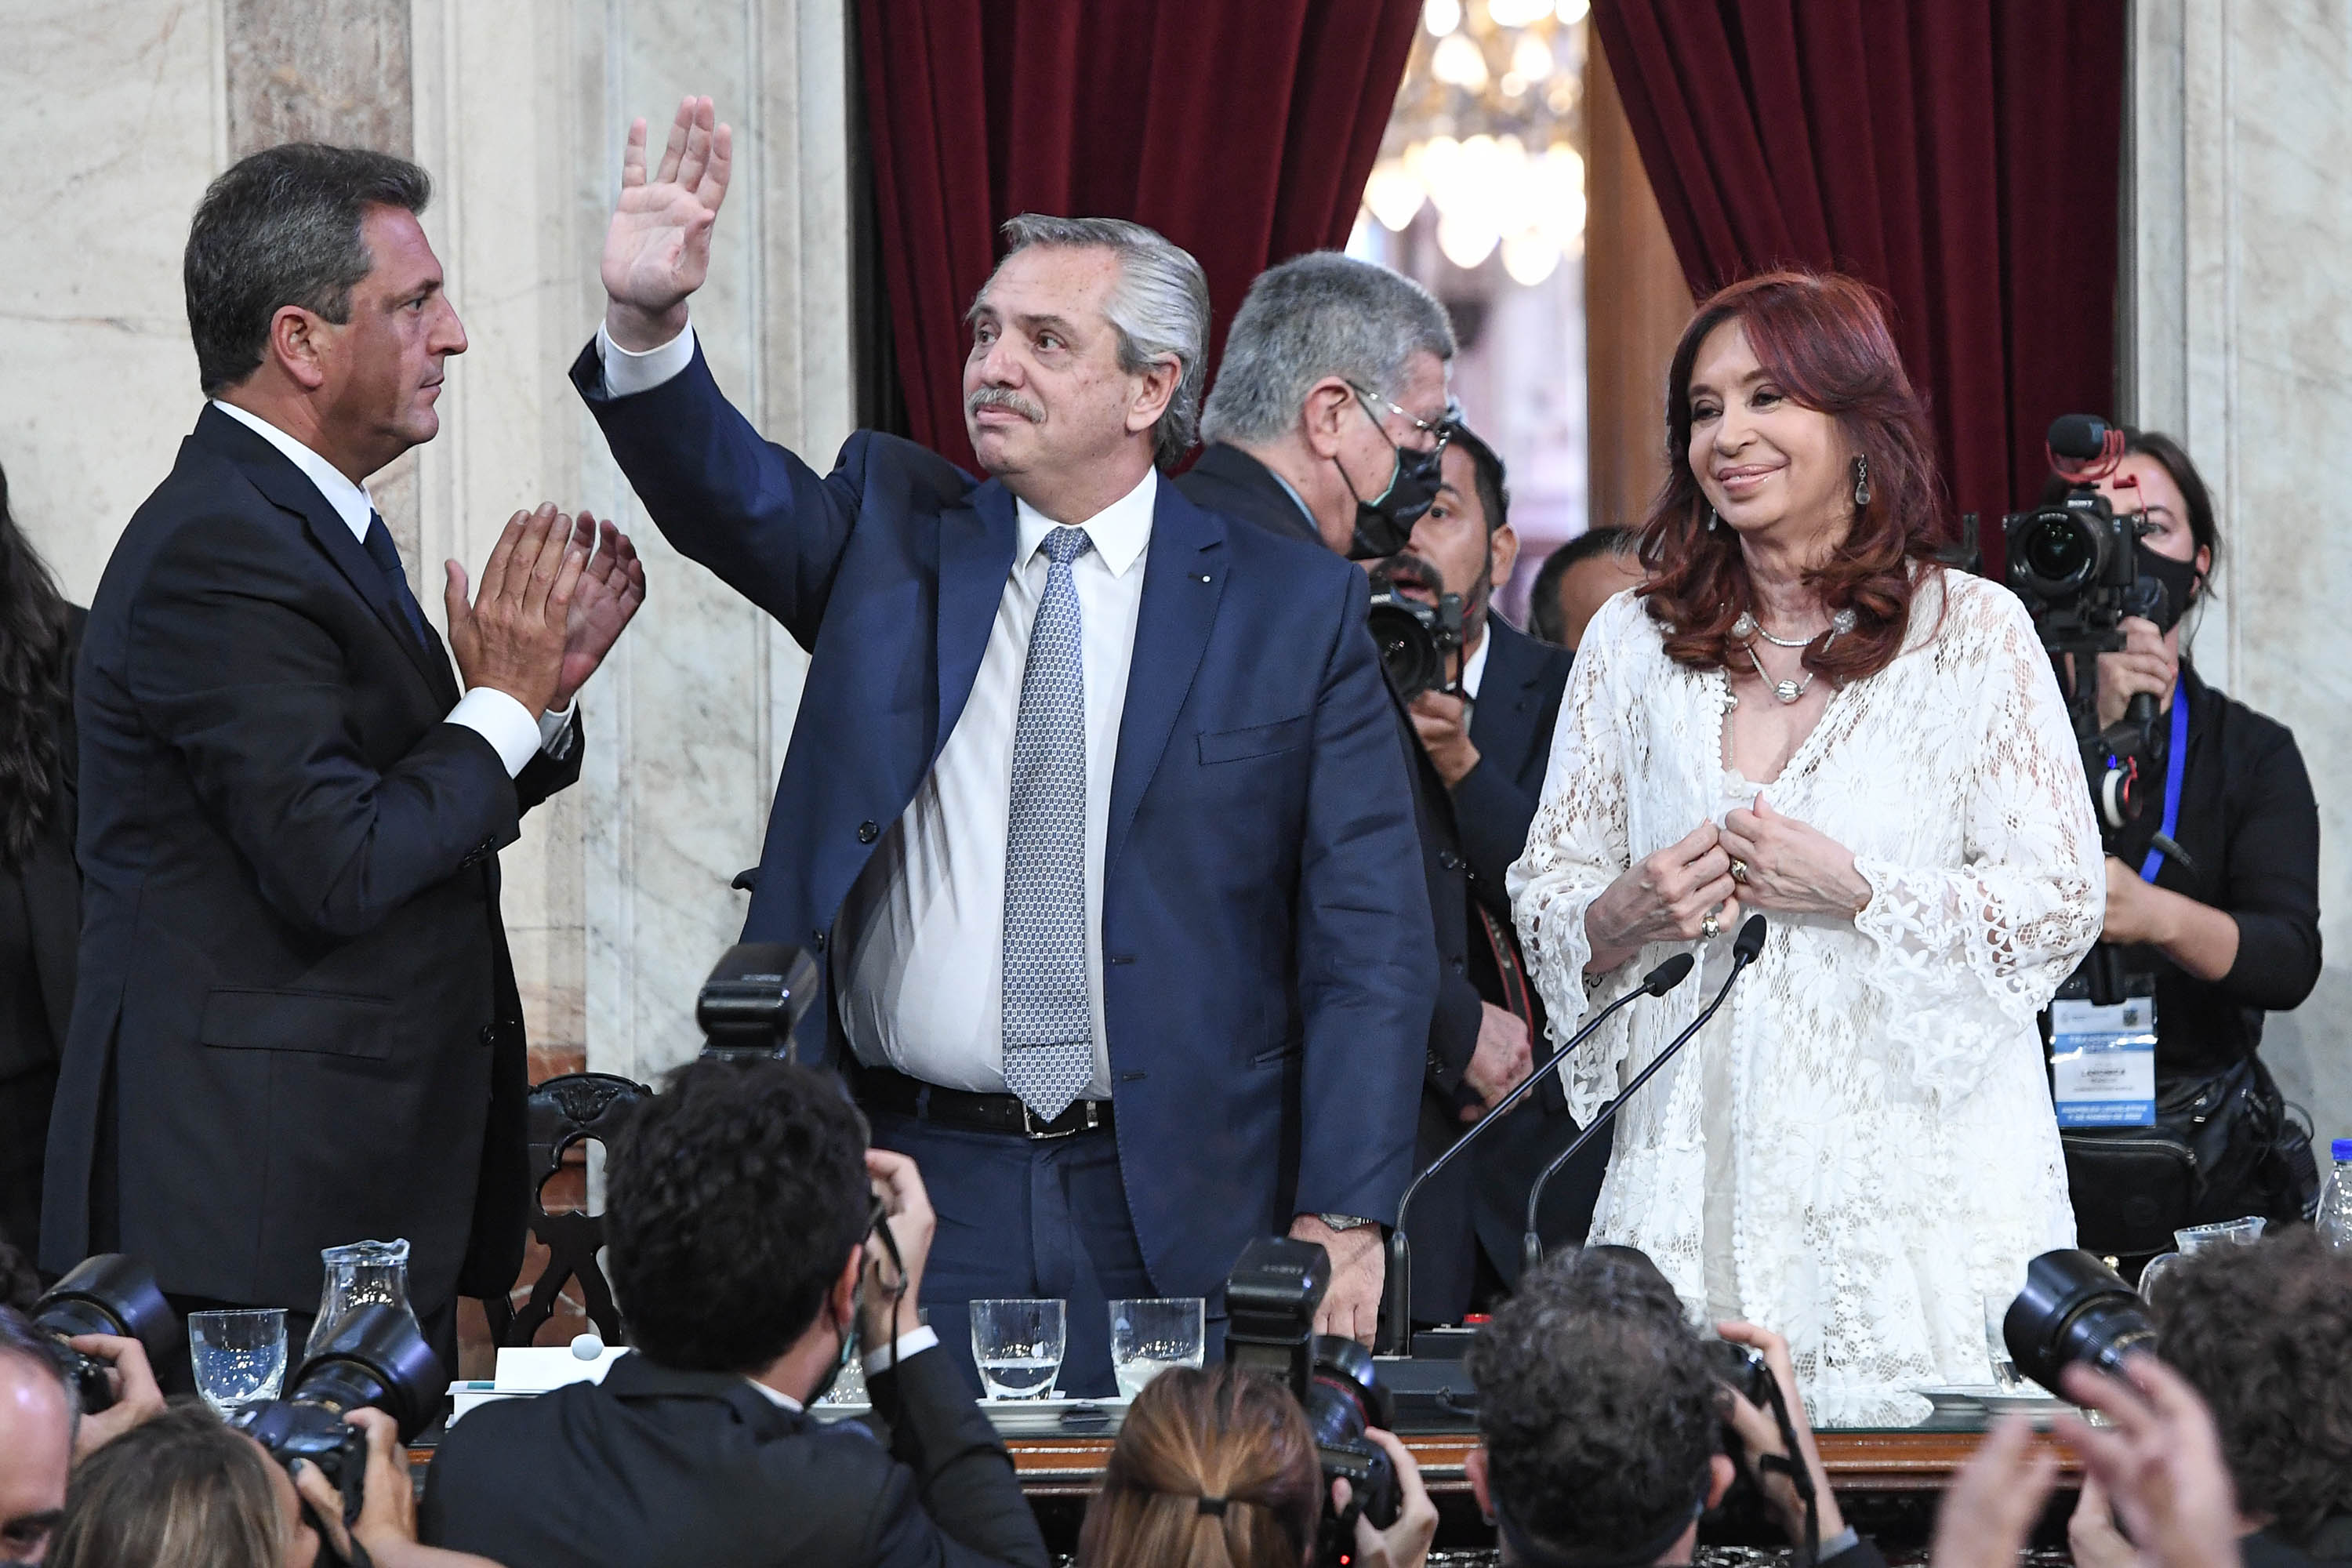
{"x": 1746, "y": 628}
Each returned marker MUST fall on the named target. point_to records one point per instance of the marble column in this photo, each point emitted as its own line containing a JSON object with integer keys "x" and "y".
{"x": 2238, "y": 226}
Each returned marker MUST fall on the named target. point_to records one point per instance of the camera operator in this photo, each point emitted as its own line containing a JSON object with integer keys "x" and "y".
{"x": 1328, "y": 424}
{"x": 753, "y": 1258}
{"x": 43, "y": 1434}
{"x": 1217, "y": 1469}
{"x": 2228, "y": 925}
{"x": 1601, "y": 1419}
{"x": 184, "y": 1489}
{"x": 2264, "y": 1333}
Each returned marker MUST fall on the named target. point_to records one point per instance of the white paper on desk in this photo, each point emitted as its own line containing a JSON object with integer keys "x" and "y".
{"x": 535, "y": 1369}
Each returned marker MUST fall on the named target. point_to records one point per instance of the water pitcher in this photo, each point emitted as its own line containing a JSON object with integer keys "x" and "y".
{"x": 357, "y": 1274}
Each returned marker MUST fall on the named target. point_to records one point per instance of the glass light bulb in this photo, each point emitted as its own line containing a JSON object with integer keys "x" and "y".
{"x": 1441, "y": 17}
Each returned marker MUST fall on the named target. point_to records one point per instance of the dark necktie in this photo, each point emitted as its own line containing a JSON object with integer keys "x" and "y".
{"x": 386, "y": 556}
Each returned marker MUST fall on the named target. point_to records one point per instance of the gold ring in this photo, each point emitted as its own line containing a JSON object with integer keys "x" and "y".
{"x": 1710, "y": 927}
{"x": 1739, "y": 871}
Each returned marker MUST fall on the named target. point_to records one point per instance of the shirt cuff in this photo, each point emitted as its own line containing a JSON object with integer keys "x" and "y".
{"x": 501, "y": 720}
{"x": 918, "y": 1338}
{"x": 627, "y": 373}
{"x": 555, "y": 732}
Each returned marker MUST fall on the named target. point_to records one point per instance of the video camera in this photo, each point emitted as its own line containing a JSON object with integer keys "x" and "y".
{"x": 375, "y": 1357}
{"x": 111, "y": 1293}
{"x": 2076, "y": 565}
{"x": 1270, "y": 1302}
{"x": 754, "y": 999}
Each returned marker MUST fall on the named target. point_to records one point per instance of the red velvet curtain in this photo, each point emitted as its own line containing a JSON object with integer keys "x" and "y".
{"x": 1243, "y": 129}
{"x": 1962, "y": 155}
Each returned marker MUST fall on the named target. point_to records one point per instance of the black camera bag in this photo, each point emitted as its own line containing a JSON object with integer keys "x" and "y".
{"x": 2225, "y": 1145}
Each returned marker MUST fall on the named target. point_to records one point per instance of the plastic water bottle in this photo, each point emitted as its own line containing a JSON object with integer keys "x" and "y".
{"x": 2334, "y": 1219}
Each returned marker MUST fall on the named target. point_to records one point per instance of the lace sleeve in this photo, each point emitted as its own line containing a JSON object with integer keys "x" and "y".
{"x": 1974, "y": 951}
{"x": 1576, "y": 847}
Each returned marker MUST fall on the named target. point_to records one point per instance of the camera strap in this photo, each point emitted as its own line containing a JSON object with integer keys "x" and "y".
{"x": 2176, "y": 763}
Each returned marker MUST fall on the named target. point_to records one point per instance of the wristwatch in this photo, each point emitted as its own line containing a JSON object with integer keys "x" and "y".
{"x": 1345, "y": 1221}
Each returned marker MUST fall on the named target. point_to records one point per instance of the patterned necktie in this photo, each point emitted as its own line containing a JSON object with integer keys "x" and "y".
{"x": 386, "y": 556}
{"x": 1049, "y": 1052}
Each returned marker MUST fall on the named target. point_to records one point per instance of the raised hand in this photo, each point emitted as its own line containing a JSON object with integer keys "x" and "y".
{"x": 657, "y": 250}
{"x": 611, "y": 590}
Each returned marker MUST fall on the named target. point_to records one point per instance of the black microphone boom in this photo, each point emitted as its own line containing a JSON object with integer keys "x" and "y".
{"x": 1396, "y": 1333}
{"x": 1744, "y": 950}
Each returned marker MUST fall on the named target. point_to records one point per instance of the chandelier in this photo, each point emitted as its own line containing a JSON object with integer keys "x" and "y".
{"x": 1484, "y": 131}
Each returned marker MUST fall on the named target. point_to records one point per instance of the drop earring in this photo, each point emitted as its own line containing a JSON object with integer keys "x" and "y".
{"x": 1861, "y": 482}
{"x": 1711, "y": 519}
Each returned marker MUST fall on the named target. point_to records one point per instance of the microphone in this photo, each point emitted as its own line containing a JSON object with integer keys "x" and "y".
{"x": 2081, "y": 436}
{"x": 1744, "y": 950}
{"x": 1395, "y": 1332}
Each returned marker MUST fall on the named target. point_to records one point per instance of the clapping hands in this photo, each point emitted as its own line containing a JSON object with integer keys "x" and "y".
{"x": 657, "y": 250}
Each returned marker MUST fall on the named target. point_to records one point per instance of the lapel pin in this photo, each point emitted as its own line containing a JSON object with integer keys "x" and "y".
{"x": 1206, "y": 578}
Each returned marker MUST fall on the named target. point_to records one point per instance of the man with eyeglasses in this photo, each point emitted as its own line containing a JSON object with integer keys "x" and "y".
{"x": 1330, "y": 422}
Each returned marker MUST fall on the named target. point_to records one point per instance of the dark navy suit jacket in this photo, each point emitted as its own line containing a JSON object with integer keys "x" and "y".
{"x": 1268, "y": 977}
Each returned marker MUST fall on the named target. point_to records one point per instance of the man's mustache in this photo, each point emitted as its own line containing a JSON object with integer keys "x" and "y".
{"x": 1003, "y": 397}
{"x": 1411, "y": 572}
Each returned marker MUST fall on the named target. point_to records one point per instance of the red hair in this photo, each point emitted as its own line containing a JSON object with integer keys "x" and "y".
{"x": 1823, "y": 341}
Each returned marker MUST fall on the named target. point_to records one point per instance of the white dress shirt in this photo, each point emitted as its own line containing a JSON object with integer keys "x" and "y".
{"x": 491, "y": 713}
{"x": 918, "y": 948}
{"x": 1474, "y": 668}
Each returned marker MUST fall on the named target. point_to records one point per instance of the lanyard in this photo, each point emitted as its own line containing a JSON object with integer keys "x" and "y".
{"x": 2174, "y": 764}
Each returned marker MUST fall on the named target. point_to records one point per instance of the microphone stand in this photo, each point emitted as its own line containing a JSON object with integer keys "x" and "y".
{"x": 1744, "y": 950}
{"x": 1395, "y": 1332}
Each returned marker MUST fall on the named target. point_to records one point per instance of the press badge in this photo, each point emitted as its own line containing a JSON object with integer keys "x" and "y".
{"x": 2102, "y": 1063}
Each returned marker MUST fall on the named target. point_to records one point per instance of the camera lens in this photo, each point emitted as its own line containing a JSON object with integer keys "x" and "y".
{"x": 2060, "y": 552}
{"x": 1410, "y": 655}
{"x": 2074, "y": 1308}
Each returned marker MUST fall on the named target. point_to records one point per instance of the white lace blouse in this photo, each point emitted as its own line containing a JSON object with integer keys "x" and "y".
{"x": 1860, "y": 1147}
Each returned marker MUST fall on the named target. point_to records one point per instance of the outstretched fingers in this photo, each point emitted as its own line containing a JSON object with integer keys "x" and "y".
{"x": 633, "y": 155}
{"x": 696, "y": 154}
{"x": 712, "y": 188}
{"x": 673, "y": 149}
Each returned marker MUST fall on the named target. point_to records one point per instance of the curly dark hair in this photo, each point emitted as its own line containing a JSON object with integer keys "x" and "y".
{"x": 34, "y": 693}
{"x": 2264, "y": 1332}
{"x": 1596, "y": 1405}
{"x": 1823, "y": 341}
{"x": 1219, "y": 1432}
{"x": 732, "y": 1200}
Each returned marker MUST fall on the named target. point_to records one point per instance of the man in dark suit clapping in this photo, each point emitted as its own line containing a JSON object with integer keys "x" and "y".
{"x": 1094, "y": 806}
{"x": 297, "y": 1023}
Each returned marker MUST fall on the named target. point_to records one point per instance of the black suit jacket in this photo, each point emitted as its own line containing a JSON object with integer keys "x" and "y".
{"x": 1229, "y": 480}
{"x": 654, "y": 1466}
{"x": 297, "y": 1023}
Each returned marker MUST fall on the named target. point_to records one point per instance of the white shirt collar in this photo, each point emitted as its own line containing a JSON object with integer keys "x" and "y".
{"x": 1119, "y": 531}
{"x": 780, "y": 1401}
{"x": 1474, "y": 668}
{"x": 350, "y": 500}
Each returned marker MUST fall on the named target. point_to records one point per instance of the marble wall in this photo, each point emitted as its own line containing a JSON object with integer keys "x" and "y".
{"x": 2239, "y": 235}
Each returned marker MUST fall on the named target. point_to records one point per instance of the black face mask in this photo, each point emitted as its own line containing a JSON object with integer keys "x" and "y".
{"x": 2179, "y": 582}
{"x": 1384, "y": 524}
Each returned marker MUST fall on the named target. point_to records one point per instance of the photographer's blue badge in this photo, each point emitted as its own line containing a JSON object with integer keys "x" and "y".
{"x": 2102, "y": 1063}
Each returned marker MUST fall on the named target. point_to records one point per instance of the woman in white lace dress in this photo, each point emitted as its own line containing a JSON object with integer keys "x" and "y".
{"x": 1802, "y": 714}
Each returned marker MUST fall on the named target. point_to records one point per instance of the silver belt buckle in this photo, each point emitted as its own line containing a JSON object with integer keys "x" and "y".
{"x": 1035, "y": 1129}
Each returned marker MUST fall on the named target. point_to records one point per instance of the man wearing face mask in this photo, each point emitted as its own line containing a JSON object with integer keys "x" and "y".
{"x": 2213, "y": 891}
{"x": 752, "y": 1254}
{"x": 1329, "y": 422}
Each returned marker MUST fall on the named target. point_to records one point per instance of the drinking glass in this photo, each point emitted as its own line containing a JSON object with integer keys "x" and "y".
{"x": 1018, "y": 1346}
{"x": 1148, "y": 1336}
{"x": 2005, "y": 1375}
{"x": 240, "y": 1357}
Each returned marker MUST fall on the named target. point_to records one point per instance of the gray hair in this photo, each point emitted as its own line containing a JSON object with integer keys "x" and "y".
{"x": 1316, "y": 315}
{"x": 1159, "y": 308}
{"x": 281, "y": 227}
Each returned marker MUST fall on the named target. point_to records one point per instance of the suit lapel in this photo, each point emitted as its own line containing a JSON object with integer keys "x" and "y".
{"x": 1183, "y": 581}
{"x": 1502, "y": 718}
{"x": 977, "y": 541}
{"x": 293, "y": 491}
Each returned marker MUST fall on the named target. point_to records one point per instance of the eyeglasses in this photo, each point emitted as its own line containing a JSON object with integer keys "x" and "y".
{"x": 1441, "y": 427}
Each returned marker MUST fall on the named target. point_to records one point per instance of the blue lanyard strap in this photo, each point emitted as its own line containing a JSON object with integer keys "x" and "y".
{"x": 2175, "y": 762}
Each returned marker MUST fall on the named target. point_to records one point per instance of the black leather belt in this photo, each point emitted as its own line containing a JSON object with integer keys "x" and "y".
{"x": 885, "y": 1089}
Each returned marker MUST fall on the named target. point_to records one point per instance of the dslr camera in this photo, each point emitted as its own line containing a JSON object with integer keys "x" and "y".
{"x": 1419, "y": 644}
{"x": 2076, "y": 565}
{"x": 755, "y": 998}
{"x": 375, "y": 1357}
{"x": 2074, "y": 1308}
{"x": 1270, "y": 1302}
{"x": 111, "y": 1293}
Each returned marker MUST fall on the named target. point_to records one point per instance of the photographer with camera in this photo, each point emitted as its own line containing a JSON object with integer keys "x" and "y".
{"x": 1329, "y": 423}
{"x": 2223, "y": 914}
{"x": 1217, "y": 1469}
{"x": 43, "y": 1432}
{"x": 1602, "y": 1416}
{"x": 186, "y": 1489}
{"x": 757, "y": 1243}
